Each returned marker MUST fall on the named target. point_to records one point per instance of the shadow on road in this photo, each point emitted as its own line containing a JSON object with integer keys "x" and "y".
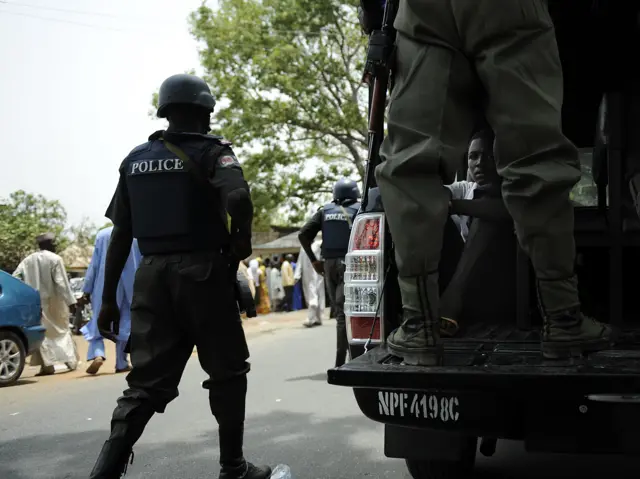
{"x": 312, "y": 377}
{"x": 278, "y": 437}
{"x": 20, "y": 382}
{"x": 315, "y": 449}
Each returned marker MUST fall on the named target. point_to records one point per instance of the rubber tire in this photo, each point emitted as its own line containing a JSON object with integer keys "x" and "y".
{"x": 23, "y": 356}
{"x": 432, "y": 469}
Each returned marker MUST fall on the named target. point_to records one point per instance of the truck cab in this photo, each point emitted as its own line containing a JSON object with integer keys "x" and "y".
{"x": 493, "y": 382}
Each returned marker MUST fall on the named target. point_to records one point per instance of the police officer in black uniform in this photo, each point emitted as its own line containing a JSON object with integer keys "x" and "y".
{"x": 174, "y": 194}
{"x": 334, "y": 220}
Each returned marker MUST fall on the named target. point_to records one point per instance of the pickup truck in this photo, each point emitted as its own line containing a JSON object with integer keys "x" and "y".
{"x": 493, "y": 382}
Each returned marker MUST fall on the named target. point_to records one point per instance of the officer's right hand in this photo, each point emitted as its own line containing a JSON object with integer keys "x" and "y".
{"x": 318, "y": 266}
{"x": 109, "y": 321}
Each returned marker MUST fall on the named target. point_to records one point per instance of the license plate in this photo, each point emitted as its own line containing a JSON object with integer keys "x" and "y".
{"x": 433, "y": 407}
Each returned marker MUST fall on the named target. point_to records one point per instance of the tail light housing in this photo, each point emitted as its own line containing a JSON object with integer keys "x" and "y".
{"x": 364, "y": 278}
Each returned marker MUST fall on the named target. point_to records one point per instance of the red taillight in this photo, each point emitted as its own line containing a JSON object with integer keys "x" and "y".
{"x": 361, "y": 328}
{"x": 363, "y": 280}
{"x": 367, "y": 235}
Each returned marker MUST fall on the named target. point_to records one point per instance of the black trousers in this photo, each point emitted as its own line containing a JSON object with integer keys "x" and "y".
{"x": 334, "y": 277}
{"x": 182, "y": 301}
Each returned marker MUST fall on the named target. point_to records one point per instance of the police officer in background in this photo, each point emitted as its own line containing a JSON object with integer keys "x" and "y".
{"x": 174, "y": 194}
{"x": 334, "y": 220}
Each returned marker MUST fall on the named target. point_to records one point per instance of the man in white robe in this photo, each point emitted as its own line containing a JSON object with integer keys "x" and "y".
{"x": 276, "y": 289}
{"x": 312, "y": 285}
{"x": 45, "y": 271}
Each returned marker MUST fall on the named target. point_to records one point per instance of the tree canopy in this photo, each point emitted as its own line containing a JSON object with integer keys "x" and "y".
{"x": 288, "y": 73}
{"x": 23, "y": 216}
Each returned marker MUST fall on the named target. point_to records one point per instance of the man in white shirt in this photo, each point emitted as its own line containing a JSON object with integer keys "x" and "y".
{"x": 482, "y": 173}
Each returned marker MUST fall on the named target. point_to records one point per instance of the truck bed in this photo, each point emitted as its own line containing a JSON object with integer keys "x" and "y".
{"x": 491, "y": 357}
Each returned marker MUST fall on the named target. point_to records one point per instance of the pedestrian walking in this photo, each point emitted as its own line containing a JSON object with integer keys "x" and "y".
{"x": 44, "y": 271}
{"x": 93, "y": 288}
{"x": 312, "y": 285}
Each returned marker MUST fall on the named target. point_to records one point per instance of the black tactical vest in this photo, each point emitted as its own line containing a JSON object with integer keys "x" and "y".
{"x": 172, "y": 209}
{"x": 336, "y": 229}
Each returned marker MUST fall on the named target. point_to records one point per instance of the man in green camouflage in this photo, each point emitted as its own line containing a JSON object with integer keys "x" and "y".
{"x": 459, "y": 62}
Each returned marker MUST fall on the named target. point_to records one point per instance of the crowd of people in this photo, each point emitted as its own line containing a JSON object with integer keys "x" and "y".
{"x": 284, "y": 283}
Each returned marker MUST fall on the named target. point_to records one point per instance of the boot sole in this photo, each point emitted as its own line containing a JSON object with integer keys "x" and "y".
{"x": 573, "y": 349}
{"x": 417, "y": 356}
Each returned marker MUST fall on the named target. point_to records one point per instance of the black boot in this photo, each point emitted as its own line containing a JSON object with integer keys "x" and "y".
{"x": 227, "y": 402}
{"x": 245, "y": 470}
{"x": 127, "y": 424}
{"x": 113, "y": 460}
{"x": 233, "y": 465}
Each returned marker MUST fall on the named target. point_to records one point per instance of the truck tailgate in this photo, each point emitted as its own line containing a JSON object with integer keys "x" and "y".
{"x": 495, "y": 365}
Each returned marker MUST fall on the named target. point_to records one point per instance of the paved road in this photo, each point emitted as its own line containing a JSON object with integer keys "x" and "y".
{"x": 54, "y": 430}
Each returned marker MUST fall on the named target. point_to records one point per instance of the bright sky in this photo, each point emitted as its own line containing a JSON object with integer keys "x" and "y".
{"x": 75, "y": 91}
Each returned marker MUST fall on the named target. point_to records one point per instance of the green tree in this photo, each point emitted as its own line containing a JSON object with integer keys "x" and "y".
{"x": 23, "y": 216}
{"x": 287, "y": 74}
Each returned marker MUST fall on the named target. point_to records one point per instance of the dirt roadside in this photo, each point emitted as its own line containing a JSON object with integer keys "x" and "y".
{"x": 253, "y": 327}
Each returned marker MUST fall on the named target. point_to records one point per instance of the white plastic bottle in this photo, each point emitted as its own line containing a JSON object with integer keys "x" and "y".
{"x": 282, "y": 471}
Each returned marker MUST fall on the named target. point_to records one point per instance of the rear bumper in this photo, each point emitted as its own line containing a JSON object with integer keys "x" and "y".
{"x": 34, "y": 336}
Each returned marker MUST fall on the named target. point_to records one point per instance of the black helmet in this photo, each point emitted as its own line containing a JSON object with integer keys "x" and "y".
{"x": 346, "y": 189}
{"x": 185, "y": 90}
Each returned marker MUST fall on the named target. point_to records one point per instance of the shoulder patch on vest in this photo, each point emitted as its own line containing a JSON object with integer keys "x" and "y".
{"x": 226, "y": 161}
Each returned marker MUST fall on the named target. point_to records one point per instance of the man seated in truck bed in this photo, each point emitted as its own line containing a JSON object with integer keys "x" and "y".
{"x": 483, "y": 182}
{"x": 481, "y": 172}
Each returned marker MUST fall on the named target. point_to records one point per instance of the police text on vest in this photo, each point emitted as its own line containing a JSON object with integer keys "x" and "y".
{"x": 142, "y": 167}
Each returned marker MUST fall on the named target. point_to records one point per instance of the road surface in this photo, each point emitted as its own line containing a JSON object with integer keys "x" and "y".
{"x": 54, "y": 429}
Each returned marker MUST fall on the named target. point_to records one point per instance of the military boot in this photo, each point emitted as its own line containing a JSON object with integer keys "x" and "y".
{"x": 412, "y": 343}
{"x": 113, "y": 460}
{"x": 244, "y": 470}
{"x": 572, "y": 334}
{"x": 417, "y": 340}
{"x": 232, "y": 462}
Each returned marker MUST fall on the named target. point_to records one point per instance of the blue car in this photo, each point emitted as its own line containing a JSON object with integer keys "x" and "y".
{"x": 21, "y": 330}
